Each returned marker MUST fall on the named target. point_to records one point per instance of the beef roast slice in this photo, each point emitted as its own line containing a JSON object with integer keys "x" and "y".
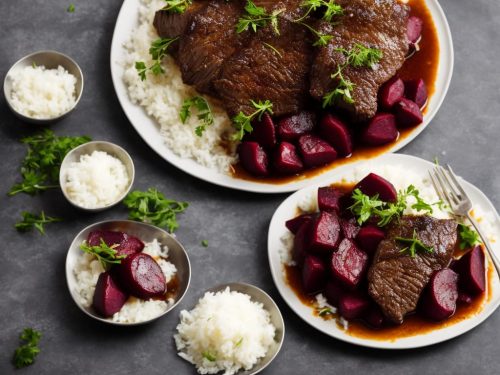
{"x": 258, "y": 72}
{"x": 373, "y": 23}
{"x": 396, "y": 279}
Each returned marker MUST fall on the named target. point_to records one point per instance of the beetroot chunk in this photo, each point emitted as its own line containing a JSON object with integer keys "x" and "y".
{"x": 254, "y": 158}
{"x": 374, "y": 317}
{"x": 141, "y": 276}
{"x": 108, "y": 297}
{"x": 472, "y": 271}
{"x": 286, "y": 159}
{"x": 293, "y": 225}
{"x": 369, "y": 237}
{"x": 380, "y": 130}
{"x": 439, "y": 300}
{"x": 408, "y": 113}
{"x": 329, "y": 199}
{"x": 349, "y": 228}
{"x": 301, "y": 242}
{"x": 335, "y": 132}
{"x": 127, "y": 245}
{"x": 353, "y": 305}
{"x": 333, "y": 291}
{"x": 391, "y": 92}
{"x": 292, "y": 127}
{"x": 264, "y": 132}
{"x": 414, "y": 29}
{"x": 325, "y": 233}
{"x": 313, "y": 275}
{"x": 348, "y": 264}
{"x": 416, "y": 91}
{"x": 374, "y": 184}
{"x": 315, "y": 151}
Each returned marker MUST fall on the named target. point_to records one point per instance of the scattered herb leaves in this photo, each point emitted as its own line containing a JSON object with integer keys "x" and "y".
{"x": 204, "y": 113}
{"x": 322, "y": 40}
{"x": 209, "y": 356}
{"x": 26, "y": 353}
{"x": 158, "y": 50}
{"x": 204, "y": 243}
{"x": 273, "y": 48}
{"x": 331, "y": 9}
{"x": 414, "y": 245}
{"x": 71, "y": 8}
{"x": 31, "y": 221}
{"x": 106, "y": 255}
{"x": 468, "y": 237}
{"x": 325, "y": 311}
{"x": 256, "y": 17}
{"x": 238, "y": 343}
{"x": 176, "y": 6}
{"x": 243, "y": 123}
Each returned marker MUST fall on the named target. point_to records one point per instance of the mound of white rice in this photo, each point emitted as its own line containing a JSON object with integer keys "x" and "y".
{"x": 226, "y": 331}
{"x": 87, "y": 270}
{"x": 42, "y": 93}
{"x": 162, "y": 97}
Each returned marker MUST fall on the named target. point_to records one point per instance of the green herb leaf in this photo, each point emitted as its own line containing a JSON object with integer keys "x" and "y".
{"x": 243, "y": 123}
{"x": 204, "y": 113}
{"x": 26, "y": 353}
{"x": 209, "y": 356}
{"x": 256, "y": 18}
{"x": 343, "y": 91}
{"x": 31, "y": 221}
{"x": 204, "y": 243}
{"x": 414, "y": 245}
{"x": 331, "y": 9}
{"x": 238, "y": 344}
{"x": 272, "y": 48}
{"x": 176, "y": 6}
{"x": 468, "y": 237}
{"x": 158, "y": 50}
{"x": 71, "y": 8}
{"x": 322, "y": 40}
{"x": 325, "y": 311}
{"x": 106, "y": 255}
{"x": 151, "y": 206}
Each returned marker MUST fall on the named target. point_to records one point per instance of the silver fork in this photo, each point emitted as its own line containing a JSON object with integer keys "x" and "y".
{"x": 451, "y": 191}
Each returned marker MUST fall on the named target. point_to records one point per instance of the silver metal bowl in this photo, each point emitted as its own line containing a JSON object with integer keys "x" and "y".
{"x": 51, "y": 60}
{"x": 147, "y": 233}
{"x": 86, "y": 149}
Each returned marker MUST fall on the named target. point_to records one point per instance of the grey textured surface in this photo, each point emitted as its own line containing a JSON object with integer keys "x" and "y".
{"x": 32, "y": 287}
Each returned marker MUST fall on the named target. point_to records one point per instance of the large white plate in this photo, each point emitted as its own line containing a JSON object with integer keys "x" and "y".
{"x": 288, "y": 210}
{"x": 148, "y": 129}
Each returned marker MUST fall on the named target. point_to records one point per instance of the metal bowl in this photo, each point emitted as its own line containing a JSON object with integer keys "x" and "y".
{"x": 51, "y": 60}
{"x": 176, "y": 255}
{"x": 86, "y": 149}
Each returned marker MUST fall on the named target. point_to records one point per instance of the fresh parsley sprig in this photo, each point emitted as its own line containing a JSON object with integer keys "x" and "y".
{"x": 243, "y": 123}
{"x": 331, "y": 9}
{"x": 414, "y": 245}
{"x": 468, "y": 237}
{"x": 204, "y": 113}
{"x": 31, "y": 221}
{"x": 343, "y": 91}
{"x": 106, "y": 255}
{"x": 26, "y": 353}
{"x": 256, "y": 17}
{"x": 176, "y": 6}
{"x": 151, "y": 206}
{"x": 158, "y": 50}
{"x": 322, "y": 39}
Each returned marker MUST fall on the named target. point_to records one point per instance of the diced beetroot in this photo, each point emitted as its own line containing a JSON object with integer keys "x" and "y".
{"x": 329, "y": 199}
{"x": 380, "y": 130}
{"x": 141, "y": 276}
{"x": 335, "y": 132}
{"x": 349, "y": 228}
{"x": 464, "y": 298}
{"x": 333, "y": 291}
{"x": 108, "y": 297}
{"x": 353, "y": 305}
{"x": 301, "y": 242}
{"x": 391, "y": 92}
{"x": 313, "y": 275}
{"x": 127, "y": 244}
{"x": 292, "y": 127}
{"x": 414, "y": 29}
{"x": 315, "y": 151}
{"x": 472, "y": 271}
{"x": 374, "y": 184}
{"x": 254, "y": 158}
{"x": 130, "y": 245}
{"x": 325, "y": 233}
{"x": 264, "y": 132}
{"x": 408, "y": 113}
{"x": 369, "y": 237}
{"x": 374, "y": 317}
{"x": 348, "y": 264}
{"x": 294, "y": 224}
{"x": 439, "y": 299}
{"x": 416, "y": 91}
{"x": 286, "y": 160}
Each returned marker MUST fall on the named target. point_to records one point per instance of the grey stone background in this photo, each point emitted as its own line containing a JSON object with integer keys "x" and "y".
{"x": 32, "y": 286}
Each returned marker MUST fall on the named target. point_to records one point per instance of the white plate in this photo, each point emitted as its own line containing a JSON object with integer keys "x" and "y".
{"x": 288, "y": 210}
{"x": 148, "y": 129}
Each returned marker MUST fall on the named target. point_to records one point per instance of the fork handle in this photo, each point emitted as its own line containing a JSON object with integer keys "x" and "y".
{"x": 486, "y": 243}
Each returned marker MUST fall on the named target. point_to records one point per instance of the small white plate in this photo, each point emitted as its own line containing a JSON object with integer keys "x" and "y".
{"x": 148, "y": 129}
{"x": 288, "y": 210}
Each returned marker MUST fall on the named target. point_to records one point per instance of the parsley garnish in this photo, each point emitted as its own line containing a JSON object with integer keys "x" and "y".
{"x": 106, "y": 255}
{"x": 331, "y": 9}
{"x": 204, "y": 113}
{"x": 204, "y": 243}
{"x": 176, "y": 6}
{"x": 209, "y": 356}
{"x": 414, "y": 245}
{"x": 273, "y": 48}
{"x": 325, "y": 311}
{"x": 31, "y": 221}
{"x": 26, "y": 353}
{"x": 71, "y": 8}
{"x": 238, "y": 343}
{"x": 468, "y": 237}
{"x": 40, "y": 167}
{"x": 243, "y": 123}
{"x": 322, "y": 40}
{"x": 151, "y": 206}
{"x": 257, "y": 17}
{"x": 158, "y": 50}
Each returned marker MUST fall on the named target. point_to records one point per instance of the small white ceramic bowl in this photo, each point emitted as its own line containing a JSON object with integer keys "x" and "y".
{"x": 177, "y": 255}
{"x": 51, "y": 60}
{"x": 87, "y": 149}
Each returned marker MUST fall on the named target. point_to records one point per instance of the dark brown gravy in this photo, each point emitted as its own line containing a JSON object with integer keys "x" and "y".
{"x": 423, "y": 64}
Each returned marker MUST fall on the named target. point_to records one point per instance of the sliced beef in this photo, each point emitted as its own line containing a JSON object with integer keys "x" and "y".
{"x": 396, "y": 280}
{"x": 171, "y": 25}
{"x": 373, "y": 23}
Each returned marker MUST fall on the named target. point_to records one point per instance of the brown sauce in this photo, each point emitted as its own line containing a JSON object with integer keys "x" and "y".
{"x": 423, "y": 64}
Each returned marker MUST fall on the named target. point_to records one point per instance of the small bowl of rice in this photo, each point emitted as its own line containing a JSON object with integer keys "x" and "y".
{"x": 43, "y": 87}
{"x": 96, "y": 175}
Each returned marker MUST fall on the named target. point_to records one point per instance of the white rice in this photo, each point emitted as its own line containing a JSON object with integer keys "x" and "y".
{"x": 96, "y": 180}
{"x": 162, "y": 97}
{"x": 87, "y": 270}
{"x": 42, "y": 93}
{"x": 226, "y": 331}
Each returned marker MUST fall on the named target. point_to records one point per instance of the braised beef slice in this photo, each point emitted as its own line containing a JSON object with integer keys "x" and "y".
{"x": 396, "y": 280}
{"x": 377, "y": 24}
